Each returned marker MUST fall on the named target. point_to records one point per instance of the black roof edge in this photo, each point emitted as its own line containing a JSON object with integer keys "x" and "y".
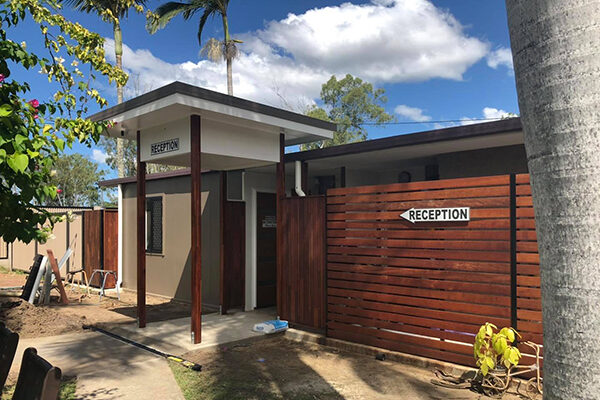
{"x": 151, "y": 177}
{"x": 452, "y": 133}
{"x": 210, "y": 95}
{"x": 437, "y": 135}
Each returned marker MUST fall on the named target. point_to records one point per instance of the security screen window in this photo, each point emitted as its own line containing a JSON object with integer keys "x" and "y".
{"x": 154, "y": 221}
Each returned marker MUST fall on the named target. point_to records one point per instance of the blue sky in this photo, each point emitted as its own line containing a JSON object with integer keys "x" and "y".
{"x": 437, "y": 60}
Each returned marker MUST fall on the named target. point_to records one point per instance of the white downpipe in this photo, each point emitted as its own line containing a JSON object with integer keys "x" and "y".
{"x": 298, "y": 186}
{"x": 120, "y": 237}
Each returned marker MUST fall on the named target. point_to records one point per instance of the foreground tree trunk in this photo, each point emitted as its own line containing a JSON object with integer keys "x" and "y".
{"x": 556, "y": 52}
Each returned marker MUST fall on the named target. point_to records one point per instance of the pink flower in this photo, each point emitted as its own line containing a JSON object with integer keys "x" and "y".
{"x": 59, "y": 191}
{"x": 34, "y": 103}
{"x": 35, "y": 116}
{"x": 2, "y": 78}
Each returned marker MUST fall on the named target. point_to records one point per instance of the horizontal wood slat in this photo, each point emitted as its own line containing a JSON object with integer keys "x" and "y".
{"x": 426, "y": 288}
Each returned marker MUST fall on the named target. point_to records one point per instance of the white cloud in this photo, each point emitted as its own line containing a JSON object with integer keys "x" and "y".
{"x": 412, "y": 113}
{"x": 500, "y": 57}
{"x": 488, "y": 114}
{"x": 383, "y": 41}
{"x": 99, "y": 156}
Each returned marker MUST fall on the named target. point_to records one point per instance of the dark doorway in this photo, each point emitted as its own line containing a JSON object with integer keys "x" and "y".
{"x": 234, "y": 254}
{"x": 266, "y": 249}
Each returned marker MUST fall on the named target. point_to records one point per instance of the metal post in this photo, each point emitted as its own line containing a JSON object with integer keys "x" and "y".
{"x": 513, "y": 251}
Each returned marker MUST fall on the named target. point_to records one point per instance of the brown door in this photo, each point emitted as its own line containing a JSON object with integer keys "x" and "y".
{"x": 266, "y": 249}
{"x": 234, "y": 255}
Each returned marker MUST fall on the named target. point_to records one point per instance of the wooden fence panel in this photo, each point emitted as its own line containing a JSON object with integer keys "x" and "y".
{"x": 100, "y": 244}
{"x": 110, "y": 245}
{"x": 302, "y": 281}
{"x": 425, "y": 288}
{"x": 92, "y": 244}
{"x": 529, "y": 301}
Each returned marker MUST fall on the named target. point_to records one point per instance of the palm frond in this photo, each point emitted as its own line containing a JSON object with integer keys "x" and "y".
{"x": 165, "y": 13}
{"x": 207, "y": 13}
{"x": 118, "y": 8}
{"x": 213, "y": 50}
{"x": 216, "y": 50}
{"x": 231, "y": 51}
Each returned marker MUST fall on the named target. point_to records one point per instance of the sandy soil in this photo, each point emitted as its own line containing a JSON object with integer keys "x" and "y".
{"x": 278, "y": 368}
{"x": 83, "y": 310}
{"x": 12, "y": 280}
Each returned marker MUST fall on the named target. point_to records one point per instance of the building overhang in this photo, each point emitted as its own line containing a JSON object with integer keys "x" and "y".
{"x": 236, "y": 133}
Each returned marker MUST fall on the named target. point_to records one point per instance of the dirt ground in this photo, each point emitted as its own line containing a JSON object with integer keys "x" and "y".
{"x": 278, "y": 368}
{"x": 54, "y": 319}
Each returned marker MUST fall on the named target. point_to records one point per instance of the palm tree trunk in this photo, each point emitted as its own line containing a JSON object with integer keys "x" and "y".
{"x": 228, "y": 55}
{"x": 229, "y": 77}
{"x": 118, "y": 36}
{"x": 555, "y": 49}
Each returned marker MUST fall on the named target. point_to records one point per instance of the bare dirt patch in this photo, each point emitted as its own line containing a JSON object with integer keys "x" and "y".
{"x": 278, "y": 368}
{"x": 157, "y": 308}
{"x": 54, "y": 319}
{"x": 35, "y": 321}
{"x": 11, "y": 279}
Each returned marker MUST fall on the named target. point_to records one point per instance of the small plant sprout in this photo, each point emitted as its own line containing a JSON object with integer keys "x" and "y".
{"x": 494, "y": 349}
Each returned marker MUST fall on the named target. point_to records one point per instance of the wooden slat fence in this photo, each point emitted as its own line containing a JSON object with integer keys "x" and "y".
{"x": 301, "y": 279}
{"x": 425, "y": 288}
{"x": 100, "y": 244}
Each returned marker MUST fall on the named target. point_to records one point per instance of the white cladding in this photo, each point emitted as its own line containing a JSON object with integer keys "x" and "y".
{"x": 217, "y": 138}
{"x": 157, "y": 135}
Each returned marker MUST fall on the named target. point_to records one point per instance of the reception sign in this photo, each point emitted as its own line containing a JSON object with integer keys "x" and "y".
{"x": 451, "y": 214}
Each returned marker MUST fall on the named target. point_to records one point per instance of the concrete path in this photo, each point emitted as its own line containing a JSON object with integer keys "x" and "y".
{"x": 105, "y": 367}
{"x": 173, "y": 336}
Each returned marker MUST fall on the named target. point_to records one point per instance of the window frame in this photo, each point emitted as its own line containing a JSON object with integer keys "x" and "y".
{"x": 154, "y": 250}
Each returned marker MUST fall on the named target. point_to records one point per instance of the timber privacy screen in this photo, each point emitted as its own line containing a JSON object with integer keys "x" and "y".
{"x": 425, "y": 288}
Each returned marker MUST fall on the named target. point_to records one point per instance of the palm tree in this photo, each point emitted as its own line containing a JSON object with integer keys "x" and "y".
{"x": 213, "y": 49}
{"x": 555, "y": 48}
{"x": 112, "y": 11}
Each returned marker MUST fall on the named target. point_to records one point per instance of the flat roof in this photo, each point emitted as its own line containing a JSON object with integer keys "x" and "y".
{"x": 418, "y": 139}
{"x": 436, "y": 135}
{"x": 209, "y": 95}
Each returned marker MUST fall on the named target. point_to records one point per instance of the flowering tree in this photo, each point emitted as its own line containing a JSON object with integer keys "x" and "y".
{"x": 33, "y": 133}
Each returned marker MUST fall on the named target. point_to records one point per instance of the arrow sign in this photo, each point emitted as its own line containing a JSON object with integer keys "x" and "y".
{"x": 451, "y": 214}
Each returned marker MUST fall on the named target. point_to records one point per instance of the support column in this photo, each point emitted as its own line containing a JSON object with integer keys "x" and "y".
{"x": 141, "y": 238}
{"x": 305, "y": 177}
{"x": 280, "y": 184}
{"x": 195, "y": 144}
{"x": 223, "y": 303}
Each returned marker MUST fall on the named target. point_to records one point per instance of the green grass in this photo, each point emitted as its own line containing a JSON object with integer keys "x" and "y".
{"x": 196, "y": 385}
{"x": 240, "y": 385}
{"x": 66, "y": 391}
{"x": 5, "y": 270}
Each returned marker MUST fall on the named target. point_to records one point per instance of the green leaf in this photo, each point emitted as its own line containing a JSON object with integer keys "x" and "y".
{"x": 484, "y": 369}
{"x": 500, "y": 345}
{"x": 19, "y": 139}
{"x": 5, "y": 110}
{"x": 18, "y": 162}
{"x": 60, "y": 144}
